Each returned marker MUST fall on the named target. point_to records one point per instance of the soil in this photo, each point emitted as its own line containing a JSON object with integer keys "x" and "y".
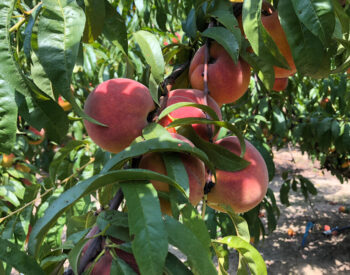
{"x": 321, "y": 254}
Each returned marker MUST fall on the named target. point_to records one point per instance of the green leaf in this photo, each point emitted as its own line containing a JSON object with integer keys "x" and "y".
{"x": 116, "y": 224}
{"x": 161, "y": 15}
{"x": 324, "y": 126}
{"x": 222, "y": 158}
{"x": 223, "y": 258}
{"x": 279, "y": 122}
{"x": 346, "y": 136}
{"x": 60, "y": 29}
{"x": 260, "y": 40}
{"x": 154, "y": 130}
{"x": 173, "y": 266}
{"x": 53, "y": 118}
{"x": 266, "y": 153}
{"x": 266, "y": 71}
{"x": 27, "y": 43}
{"x": 8, "y": 117}
{"x": 317, "y": 16}
{"x": 342, "y": 15}
{"x": 335, "y": 128}
{"x": 140, "y": 6}
{"x": 284, "y": 191}
{"x": 121, "y": 268}
{"x": 13, "y": 256}
{"x": 8, "y": 195}
{"x": 95, "y": 16}
{"x": 9, "y": 67}
{"x": 198, "y": 255}
{"x": 176, "y": 170}
{"x": 251, "y": 256}
{"x": 240, "y": 224}
{"x": 152, "y": 52}
{"x": 190, "y": 120}
{"x": 223, "y": 13}
{"x": 309, "y": 185}
{"x": 160, "y": 144}
{"x": 175, "y": 106}
{"x": 48, "y": 261}
{"x": 225, "y": 38}
{"x": 74, "y": 254}
{"x": 153, "y": 89}
{"x": 193, "y": 220}
{"x": 71, "y": 196}
{"x": 61, "y": 155}
{"x": 190, "y": 26}
{"x": 149, "y": 245}
{"x": 308, "y": 52}
{"x": 39, "y": 76}
{"x": 114, "y": 28}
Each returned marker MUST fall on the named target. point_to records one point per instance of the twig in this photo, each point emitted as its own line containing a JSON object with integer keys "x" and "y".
{"x": 173, "y": 76}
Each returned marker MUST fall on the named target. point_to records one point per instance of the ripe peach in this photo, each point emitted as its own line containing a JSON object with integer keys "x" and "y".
{"x": 7, "y": 160}
{"x": 195, "y": 170}
{"x": 280, "y": 84}
{"x": 227, "y": 81}
{"x": 275, "y": 30}
{"x": 121, "y": 104}
{"x": 195, "y": 96}
{"x": 40, "y": 134}
{"x": 65, "y": 105}
{"x": 241, "y": 190}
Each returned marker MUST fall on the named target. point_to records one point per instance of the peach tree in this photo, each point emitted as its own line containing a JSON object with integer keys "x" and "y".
{"x": 136, "y": 135}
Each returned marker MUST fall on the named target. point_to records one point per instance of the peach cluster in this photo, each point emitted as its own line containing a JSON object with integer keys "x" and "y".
{"x": 123, "y": 106}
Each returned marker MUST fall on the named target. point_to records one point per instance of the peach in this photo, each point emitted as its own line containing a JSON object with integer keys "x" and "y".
{"x": 227, "y": 81}
{"x": 280, "y": 84}
{"x": 241, "y": 190}
{"x": 194, "y": 96}
{"x": 40, "y": 134}
{"x": 275, "y": 30}
{"x": 123, "y": 106}
{"x": 195, "y": 170}
{"x": 7, "y": 160}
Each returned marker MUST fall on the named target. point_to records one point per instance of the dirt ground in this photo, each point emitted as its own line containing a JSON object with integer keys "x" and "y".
{"x": 321, "y": 255}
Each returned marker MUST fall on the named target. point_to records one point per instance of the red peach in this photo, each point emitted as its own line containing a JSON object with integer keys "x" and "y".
{"x": 227, "y": 81}
{"x": 241, "y": 190}
{"x": 121, "y": 104}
